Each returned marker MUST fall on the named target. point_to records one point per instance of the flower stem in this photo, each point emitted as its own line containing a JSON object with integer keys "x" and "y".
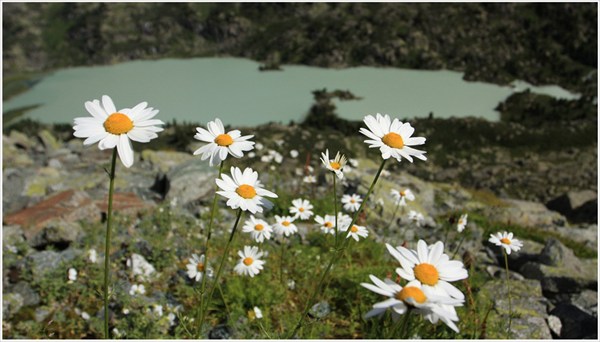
{"x": 218, "y": 275}
{"x": 335, "y": 209}
{"x": 393, "y": 216}
{"x": 334, "y": 256}
{"x": 459, "y": 244}
{"x": 508, "y": 293}
{"x": 402, "y": 326}
{"x": 107, "y": 243}
{"x": 206, "y": 245}
{"x": 264, "y": 331}
{"x": 283, "y": 245}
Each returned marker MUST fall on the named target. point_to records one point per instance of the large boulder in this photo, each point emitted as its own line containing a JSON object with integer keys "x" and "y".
{"x": 58, "y": 233}
{"x": 560, "y": 271}
{"x": 576, "y": 323}
{"x": 528, "y": 305}
{"x": 577, "y": 206}
{"x": 190, "y": 181}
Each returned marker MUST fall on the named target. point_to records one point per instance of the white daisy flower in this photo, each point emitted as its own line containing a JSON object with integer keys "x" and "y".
{"x": 259, "y": 229}
{"x": 343, "y": 222}
{"x": 416, "y": 217}
{"x": 335, "y": 165}
{"x": 112, "y": 128}
{"x": 220, "y": 144}
{"x": 310, "y": 179}
{"x": 393, "y": 138}
{"x": 244, "y": 190}
{"x": 413, "y": 296}
{"x": 462, "y": 222}
{"x": 285, "y": 226}
{"x": 430, "y": 267}
{"x": 507, "y": 241}
{"x": 197, "y": 267}
{"x": 326, "y": 223}
{"x": 351, "y": 202}
{"x": 72, "y": 275}
{"x": 301, "y": 208}
{"x": 357, "y": 231}
{"x": 137, "y": 289}
{"x": 258, "y": 146}
{"x": 92, "y": 256}
{"x": 294, "y": 153}
{"x": 400, "y": 197}
{"x": 257, "y": 313}
{"x": 250, "y": 263}
{"x": 353, "y": 162}
{"x": 275, "y": 156}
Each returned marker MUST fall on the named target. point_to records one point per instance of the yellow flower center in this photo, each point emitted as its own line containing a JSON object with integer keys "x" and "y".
{"x": 259, "y": 227}
{"x": 200, "y": 267}
{"x": 285, "y": 223}
{"x": 328, "y": 224}
{"x": 505, "y": 241}
{"x": 246, "y": 191}
{"x": 301, "y": 210}
{"x": 402, "y": 194}
{"x": 426, "y": 274}
{"x": 248, "y": 261}
{"x": 335, "y": 165}
{"x": 393, "y": 140}
{"x": 411, "y": 292}
{"x": 354, "y": 229}
{"x": 118, "y": 123}
{"x": 223, "y": 140}
{"x": 352, "y": 200}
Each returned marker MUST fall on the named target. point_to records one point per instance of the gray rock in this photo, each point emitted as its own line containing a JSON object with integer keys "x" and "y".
{"x": 563, "y": 272}
{"x": 190, "y": 181}
{"x": 58, "y": 233}
{"x": 528, "y": 307}
{"x": 499, "y": 272}
{"x": 13, "y": 186}
{"x": 554, "y": 324}
{"x": 525, "y": 213}
{"x": 557, "y": 254}
{"x": 48, "y": 140}
{"x": 587, "y": 301}
{"x": 320, "y": 310}
{"x": 12, "y": 235}
{"x": 578, "y": 206}
{"x": 11, "y": 304}
{"x": 220, "y": 332}
{"x": 43, "y": 262}
{"x": 30, "y": 297}
{"x": 527, "y": 327}
{"x": 41, "y": 313}
{"x": 575, "y": 322}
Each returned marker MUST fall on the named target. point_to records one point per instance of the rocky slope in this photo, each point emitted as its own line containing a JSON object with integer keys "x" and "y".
{"x": 52, "y": 188}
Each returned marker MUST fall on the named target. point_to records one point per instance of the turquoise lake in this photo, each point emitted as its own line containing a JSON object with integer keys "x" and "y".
{"x": 233, "y": 89}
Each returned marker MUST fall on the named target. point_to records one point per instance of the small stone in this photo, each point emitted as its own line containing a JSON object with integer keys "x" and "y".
{"x": 220, "y": 332}
{"x": 11, "y": 304}
{"x": 320, "y": 310}
{"x": 554, "y": 324}
{"x": 30, "y": 297}
{"x": 58, "y": 233}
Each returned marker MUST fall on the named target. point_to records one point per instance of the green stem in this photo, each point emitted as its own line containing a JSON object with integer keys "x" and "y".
{"x": 446, "y": 234}
{"x": 393, "y": 216}
{"x": 334, "y": 256}
{"x": 224, "y": 301}
{"x": 402, "y": 326}
{"x": 283, "y": 245}
{"x": 107, "y": 243}
{"x": 218, "y": 275}
{"x": 459, "y": 244}
{"x": 335, "y": 210}
{"x": 206, "y": 245}
{"x": 508, "y": 293}
{"x": 264, "y": 331}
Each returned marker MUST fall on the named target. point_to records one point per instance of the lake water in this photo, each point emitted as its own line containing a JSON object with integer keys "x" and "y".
{"x": 233, "y": 89}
